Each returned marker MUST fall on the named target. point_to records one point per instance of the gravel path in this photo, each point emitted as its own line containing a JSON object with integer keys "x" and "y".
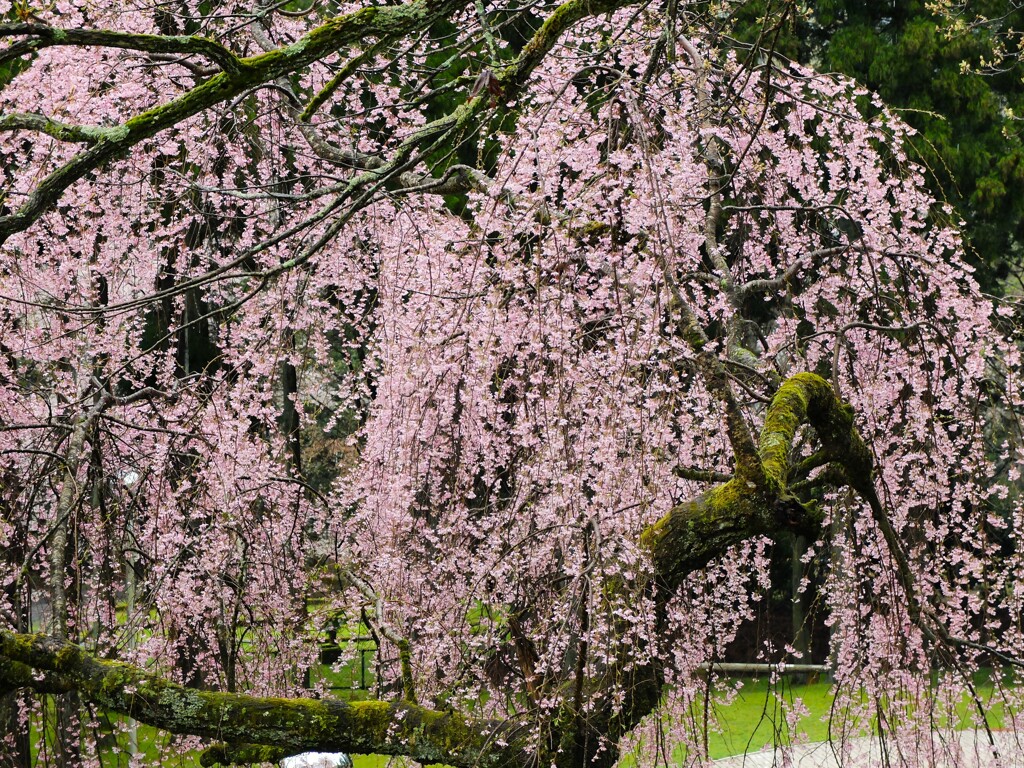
{"x": 963, "y": 749}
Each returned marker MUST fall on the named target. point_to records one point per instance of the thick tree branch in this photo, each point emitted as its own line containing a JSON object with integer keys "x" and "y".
{"x": 241, "y": 754}
{"x": 694, "y": 533}
{"x": 807, "y": 398}
{"x": 683, "y": 541}
{"x": 384, "y": 24}
{"x": 381, "y": 22}
{"x": 293, "y": 725}
{"x": 44, "y": 36}
{"x": 513, "y": 78}
{"x": 27, "y": 121}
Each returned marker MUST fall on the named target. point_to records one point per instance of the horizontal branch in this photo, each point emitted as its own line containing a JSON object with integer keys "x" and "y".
{"x": 381, "y": 22}
{"x": 28, "y": 121}
{"x": 241, "y": 754}
{"x": 45, "y": 36}
{"x": 293, "y": 725}
{"x": 384, "y": 24}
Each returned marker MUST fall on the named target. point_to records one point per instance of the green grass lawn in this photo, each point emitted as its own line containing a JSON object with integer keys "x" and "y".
{"x": 754, "y": 719}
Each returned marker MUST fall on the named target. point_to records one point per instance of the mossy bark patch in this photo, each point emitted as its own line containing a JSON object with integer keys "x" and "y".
{"x": 752, "y": 503}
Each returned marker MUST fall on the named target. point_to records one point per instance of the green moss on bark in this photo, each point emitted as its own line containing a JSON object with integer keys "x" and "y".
{"x": 694, "y": 533}
{"x": 294, "y": 725}
{"x": 757, "y": 501}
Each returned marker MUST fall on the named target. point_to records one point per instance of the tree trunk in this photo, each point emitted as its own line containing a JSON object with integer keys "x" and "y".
{"x": 67, "y": 729}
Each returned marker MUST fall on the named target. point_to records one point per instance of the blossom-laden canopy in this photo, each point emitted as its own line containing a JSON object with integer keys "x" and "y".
{"x": 512, "y": 336}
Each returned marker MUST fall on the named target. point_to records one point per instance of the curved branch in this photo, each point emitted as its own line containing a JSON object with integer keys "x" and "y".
{"x": 382, "y": 22}
{"x": 807, "y": 398}
{"x": 697, "y": 531}
{"x": 30, "y": 121}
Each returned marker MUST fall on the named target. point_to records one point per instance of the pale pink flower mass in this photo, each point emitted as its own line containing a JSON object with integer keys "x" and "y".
{"x": 497, "y": 390}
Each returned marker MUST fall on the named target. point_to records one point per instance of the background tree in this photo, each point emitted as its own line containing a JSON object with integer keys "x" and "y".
{"x": 601, "y": 312}
{"x": 950, "y": 70}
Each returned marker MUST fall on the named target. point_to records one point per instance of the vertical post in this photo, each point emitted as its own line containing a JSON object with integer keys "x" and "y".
{"x": 801, "y": 632}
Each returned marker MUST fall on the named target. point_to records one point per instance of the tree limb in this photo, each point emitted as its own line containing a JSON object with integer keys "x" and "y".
{"x": 29, "y": 121}
{"x": 45, "y": 36}
{"x": 683, "y": 541}
{"x": 382, "y": 22}
{"x": 697, "y": 531}
{"x": 294, "y": 725}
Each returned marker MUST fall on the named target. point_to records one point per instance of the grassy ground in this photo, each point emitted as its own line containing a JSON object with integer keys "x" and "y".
{"x": 754, "y": 719}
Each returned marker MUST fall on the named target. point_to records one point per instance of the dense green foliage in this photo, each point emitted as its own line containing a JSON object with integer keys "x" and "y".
{"x": 953, "y": 80}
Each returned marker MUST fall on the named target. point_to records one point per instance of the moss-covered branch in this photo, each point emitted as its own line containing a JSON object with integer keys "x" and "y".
{"x": 27, "y": 121}
{"x": 697, "y": 531}
{"x": 680, "y": 543}
{"x": 241, "y": 754}
{"x": 292, "y": 725}
{"x": 514, "y": 77}
{"x": 39, "y": 36}
{"x": 761, "y": 503}
{"x": 808, "y": 399}
{"x": 380, "y": 22}
{"x": 15, "y": 675}
{"x": 384, "y": 24}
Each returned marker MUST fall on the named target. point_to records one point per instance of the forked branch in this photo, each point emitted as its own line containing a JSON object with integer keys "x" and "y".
{"x": 761, "y": 502}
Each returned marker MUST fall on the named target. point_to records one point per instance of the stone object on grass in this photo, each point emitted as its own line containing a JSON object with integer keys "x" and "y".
{"x": 318, "y": 760}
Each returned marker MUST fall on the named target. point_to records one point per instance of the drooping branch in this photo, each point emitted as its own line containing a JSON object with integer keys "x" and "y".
{"x": 293, "y": 725}
{"x": 380, "y": 22}
{"x": 757, "y": 502}
{"x": 384, "y": 24}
